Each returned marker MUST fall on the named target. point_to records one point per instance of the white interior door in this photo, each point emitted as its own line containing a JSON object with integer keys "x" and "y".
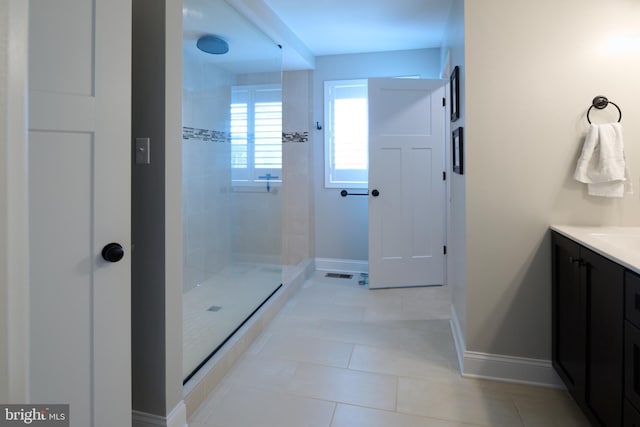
{"x": 406, "y": 186}
{"x": 79, "y": 195}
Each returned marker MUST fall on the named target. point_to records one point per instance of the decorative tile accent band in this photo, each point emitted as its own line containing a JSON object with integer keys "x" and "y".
{"x": 295, "y": 137}
{"x": 206, "y": 135}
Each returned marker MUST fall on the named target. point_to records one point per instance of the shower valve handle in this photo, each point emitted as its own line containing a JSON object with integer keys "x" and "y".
{"x": 113, "y": 252}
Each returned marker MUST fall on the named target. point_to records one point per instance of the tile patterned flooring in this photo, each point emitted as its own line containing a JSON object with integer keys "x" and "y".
{"x": 340, "y": 355}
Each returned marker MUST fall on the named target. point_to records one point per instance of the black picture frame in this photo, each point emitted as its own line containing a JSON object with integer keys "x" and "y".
{"x": 457, "y": 150}
{"x": 454, "y": 88}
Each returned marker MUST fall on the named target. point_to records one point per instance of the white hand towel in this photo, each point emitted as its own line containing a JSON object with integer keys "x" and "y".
{"x": 602, "y": 163}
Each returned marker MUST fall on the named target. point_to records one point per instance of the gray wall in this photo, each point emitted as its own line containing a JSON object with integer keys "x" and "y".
{"x": 341, "y": 226}
{"x": 532, "y": 69}
{"x": 156, "y": 209}
{"x": 4, "y": 225}
{"x": 14, "y": 213}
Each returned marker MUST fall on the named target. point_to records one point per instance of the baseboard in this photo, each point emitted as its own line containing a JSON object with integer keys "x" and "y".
{"x": 176, "y": 418}
{"x": 512, "y": 369}
{"x": 342, "y": 265}
{"x": 520, "y": 370}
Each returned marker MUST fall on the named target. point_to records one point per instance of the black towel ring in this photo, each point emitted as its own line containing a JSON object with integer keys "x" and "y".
{"x": 601, "y": 102}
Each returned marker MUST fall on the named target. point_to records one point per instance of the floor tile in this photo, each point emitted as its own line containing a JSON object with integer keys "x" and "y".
{"x": 317, "y": 310}
{"x": 554, "y": 412}
{"x": 245, "y": 407}
{"x": 197, "y": 424}
{"x": 261, "y": 372}
{"x": 452, "y": 402}
{"x": 429, "y": 338}
{"x": 344, "y": 386}
{"x": 303, "y": 349}
{"x": 355, "y": 416}
{"x": 396, "y": 362}
{"x": 501, "y": 389}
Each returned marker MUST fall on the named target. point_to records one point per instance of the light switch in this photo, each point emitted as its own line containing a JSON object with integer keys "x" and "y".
{"x": 143, "y": 151}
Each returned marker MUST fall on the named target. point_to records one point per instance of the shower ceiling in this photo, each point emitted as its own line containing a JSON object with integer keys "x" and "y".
{"x": 250, "y": 50}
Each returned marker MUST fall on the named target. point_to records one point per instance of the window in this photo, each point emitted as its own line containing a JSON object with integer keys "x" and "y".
{"x": 346, "y": 134}
{"x": 256, "y": 133}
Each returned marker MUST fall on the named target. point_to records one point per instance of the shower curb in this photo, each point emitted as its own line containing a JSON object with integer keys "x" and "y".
{"x": 198, "y": 388}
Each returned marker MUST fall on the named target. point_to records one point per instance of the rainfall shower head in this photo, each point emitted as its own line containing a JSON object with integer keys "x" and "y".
{"x": 212, "y": 44}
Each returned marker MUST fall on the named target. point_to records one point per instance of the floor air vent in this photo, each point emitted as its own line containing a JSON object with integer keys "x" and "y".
{"x": 339, "y": 275}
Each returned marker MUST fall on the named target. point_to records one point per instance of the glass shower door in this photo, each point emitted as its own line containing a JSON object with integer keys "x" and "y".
{"x": 232, "y": 136}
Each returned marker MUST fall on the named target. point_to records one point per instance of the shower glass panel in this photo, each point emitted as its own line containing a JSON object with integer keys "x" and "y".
{"x": 232, "y": 160}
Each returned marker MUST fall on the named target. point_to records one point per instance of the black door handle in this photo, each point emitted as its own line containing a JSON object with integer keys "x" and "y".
{"x": 113, "y": 252}
{"x": 375, "y": 193}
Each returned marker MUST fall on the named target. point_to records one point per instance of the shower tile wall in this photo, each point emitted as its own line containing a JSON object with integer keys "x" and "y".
{"x": 257, "y": 228}
{"x": 297, "y": 220}
{"x": 206, "y": 168}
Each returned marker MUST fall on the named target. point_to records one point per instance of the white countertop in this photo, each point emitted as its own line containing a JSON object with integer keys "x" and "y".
{"x": 619, "y": 244}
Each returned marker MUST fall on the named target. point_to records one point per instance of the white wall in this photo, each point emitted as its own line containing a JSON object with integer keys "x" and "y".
{"x": 532, "y": 69}
{"x": 456, "y": 233}
{"x": 341, "y": 223}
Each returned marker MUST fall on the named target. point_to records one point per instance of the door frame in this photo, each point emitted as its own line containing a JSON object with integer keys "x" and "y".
{"x": 447, "y": 184}
{"x": 14, "y": 252}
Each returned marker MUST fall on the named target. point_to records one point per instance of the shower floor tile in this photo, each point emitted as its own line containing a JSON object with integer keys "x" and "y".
{"x": 212, "y": 310}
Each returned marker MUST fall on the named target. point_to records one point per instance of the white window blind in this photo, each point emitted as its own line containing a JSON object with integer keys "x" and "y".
{"x": 346, "y": 134}
{"x": 256, "y": 133}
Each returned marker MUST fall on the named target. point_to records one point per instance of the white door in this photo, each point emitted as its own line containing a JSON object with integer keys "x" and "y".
{"x": 79, "y": 195}
{"x": 406, "y": 186}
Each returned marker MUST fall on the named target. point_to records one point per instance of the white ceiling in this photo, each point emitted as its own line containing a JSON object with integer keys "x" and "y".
{"x": 330, "y": 27}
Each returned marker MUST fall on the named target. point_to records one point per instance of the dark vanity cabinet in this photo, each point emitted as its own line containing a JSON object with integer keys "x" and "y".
{"x": 588, "y": 296}
{"x": 632, "y": 350}
{"x": 569, "y": 316}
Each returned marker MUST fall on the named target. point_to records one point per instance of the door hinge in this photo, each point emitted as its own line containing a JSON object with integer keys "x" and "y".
{"x": 444, "y": 175}
{"x": 444, "y": 249}
{"x": 444, "y": 102}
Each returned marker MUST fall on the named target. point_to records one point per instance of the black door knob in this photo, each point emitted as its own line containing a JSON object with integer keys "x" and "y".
{"x": 113, "y": 252}
{"x": 375, "y": 193}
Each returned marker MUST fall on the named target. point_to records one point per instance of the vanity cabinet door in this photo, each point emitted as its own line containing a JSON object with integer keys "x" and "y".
{"x": 631, "y": 415}
{"x": 569, "y": 316}
{"x": 632, "y": 364}
{"x": 632, "y": 298}
{"x": 605, "y": 333}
